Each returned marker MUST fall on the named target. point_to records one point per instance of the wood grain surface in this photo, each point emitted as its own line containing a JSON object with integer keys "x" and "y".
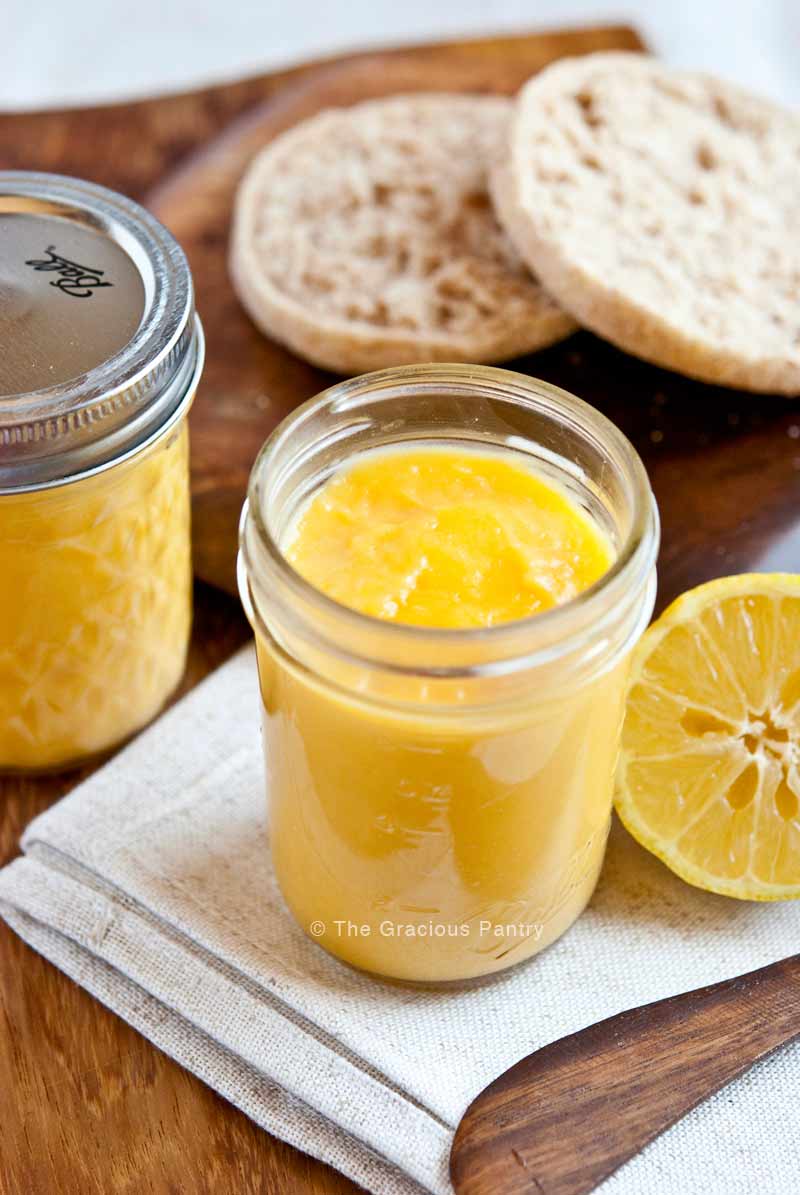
{"x": 86, "y": 1105}
{"x": 250, "y": 382}
{"x": 724, "y": 465}
{"x": 168, "y": 154}
{"x": 562, "y": 1120}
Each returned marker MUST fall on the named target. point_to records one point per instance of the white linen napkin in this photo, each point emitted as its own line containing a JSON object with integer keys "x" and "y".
{"x": 150, "y": 885}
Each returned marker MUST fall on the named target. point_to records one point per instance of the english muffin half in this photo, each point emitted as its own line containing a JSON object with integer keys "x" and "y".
{"x": 365, "y": 237}
{"x": 662, "y": 209}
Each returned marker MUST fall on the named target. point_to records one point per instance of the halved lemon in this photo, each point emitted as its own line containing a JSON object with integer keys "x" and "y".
{"x": 709, "y": 770}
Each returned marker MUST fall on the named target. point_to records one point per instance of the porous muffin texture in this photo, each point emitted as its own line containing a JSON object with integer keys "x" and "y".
{"x": 365, "y": 237}
{"x": 662, "y": 209}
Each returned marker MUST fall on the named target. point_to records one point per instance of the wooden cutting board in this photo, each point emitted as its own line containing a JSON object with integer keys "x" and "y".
{"x": 183, "y": 156}
{"x": 86, "y": 1104}
{"x": 725, "y": 466}
{"x": 251, "y": 383}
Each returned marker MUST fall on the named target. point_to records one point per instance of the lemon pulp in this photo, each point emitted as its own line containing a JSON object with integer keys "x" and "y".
{"x": 709, "y": 775}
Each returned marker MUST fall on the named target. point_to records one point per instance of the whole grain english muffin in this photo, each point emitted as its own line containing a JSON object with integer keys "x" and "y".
{"x": 365, "y": 237}
{"x": 662, "y": 209}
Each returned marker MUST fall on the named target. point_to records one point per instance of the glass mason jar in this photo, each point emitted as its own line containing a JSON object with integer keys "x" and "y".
{"x": 102, "y": 352}
{"x": 440, "y": 799}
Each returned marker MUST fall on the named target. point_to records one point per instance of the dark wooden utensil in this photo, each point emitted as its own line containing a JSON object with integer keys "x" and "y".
{"x": 565, "y": 1118}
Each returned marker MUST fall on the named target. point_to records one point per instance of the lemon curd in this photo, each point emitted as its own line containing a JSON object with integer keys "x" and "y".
{"x": 439, "y": 751}
{"x": 95, "y": 606}
{"x": 447, "y": 539}
{"x": 102, "y": 355}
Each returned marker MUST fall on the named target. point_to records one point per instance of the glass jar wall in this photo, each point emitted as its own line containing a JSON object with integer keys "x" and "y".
{"x": 102, "y": 356}
{"x": 440, "y": 799}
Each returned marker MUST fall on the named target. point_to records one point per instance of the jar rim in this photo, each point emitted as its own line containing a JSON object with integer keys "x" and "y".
{"x": 59, "y": 432}
{"x": 630, "y": 568}
{"x": 185, "y": 389}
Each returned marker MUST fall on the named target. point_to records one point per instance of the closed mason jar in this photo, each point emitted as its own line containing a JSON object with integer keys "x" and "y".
{"x": 440, "y": 799}
{"x": 102, "y": 352}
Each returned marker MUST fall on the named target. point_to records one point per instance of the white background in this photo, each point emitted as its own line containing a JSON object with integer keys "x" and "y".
{"x": 57, "y": 51}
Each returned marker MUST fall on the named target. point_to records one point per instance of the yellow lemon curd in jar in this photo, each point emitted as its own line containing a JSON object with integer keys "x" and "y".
{"x": 438, "y": 844}
{"x": 95, "y": 605}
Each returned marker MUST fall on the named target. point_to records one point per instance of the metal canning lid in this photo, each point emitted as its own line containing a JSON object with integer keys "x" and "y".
{"x": 99, "y": 342}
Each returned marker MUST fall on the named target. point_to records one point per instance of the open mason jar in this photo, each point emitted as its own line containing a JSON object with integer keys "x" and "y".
{"x": 102, "y": 352}
{"x": 440, "y": 799}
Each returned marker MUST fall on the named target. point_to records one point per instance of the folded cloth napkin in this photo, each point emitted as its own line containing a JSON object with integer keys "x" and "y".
{"x": 150, "y": 885}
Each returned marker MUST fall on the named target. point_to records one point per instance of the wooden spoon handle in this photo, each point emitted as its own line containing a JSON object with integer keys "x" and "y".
{"x": 563, "y": 1119}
